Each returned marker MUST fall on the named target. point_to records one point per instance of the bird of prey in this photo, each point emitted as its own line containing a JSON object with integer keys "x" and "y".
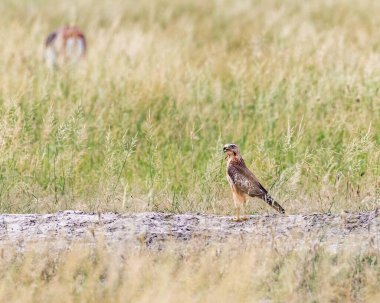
{"x": 243, "y": 182}
{"x": 66, "y": 44}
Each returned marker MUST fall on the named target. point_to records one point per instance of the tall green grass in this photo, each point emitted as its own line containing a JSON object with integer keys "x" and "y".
{"x": 139, "y": 125}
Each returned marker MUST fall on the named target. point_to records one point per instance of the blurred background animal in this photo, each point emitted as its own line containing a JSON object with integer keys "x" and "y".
{"x": 64, "y": 45}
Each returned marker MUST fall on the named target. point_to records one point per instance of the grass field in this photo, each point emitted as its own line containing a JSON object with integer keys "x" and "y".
{"x": 139, "y": 125}
{"x": 246, "y": 273}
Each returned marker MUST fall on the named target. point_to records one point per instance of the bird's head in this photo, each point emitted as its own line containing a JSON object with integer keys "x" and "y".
{"x": 231, "y": 149}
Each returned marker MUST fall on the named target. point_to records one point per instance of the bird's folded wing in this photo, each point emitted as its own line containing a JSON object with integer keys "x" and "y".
{"x": 246, "y": 181}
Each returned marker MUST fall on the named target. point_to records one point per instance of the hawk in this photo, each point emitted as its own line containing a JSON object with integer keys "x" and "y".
{"x": 243, "y": 182}
{"x": 66, "y": 44}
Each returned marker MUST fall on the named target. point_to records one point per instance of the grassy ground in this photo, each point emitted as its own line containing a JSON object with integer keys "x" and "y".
{"x": 240, "y": 273}
{"x": 141, "y": 123}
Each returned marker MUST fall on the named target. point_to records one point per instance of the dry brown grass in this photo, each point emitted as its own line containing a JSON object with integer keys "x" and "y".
{"x": 190, "y": 273}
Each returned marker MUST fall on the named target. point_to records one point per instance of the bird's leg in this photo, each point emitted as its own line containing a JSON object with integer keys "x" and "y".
{"x": 237, "y": 219}
{"x": 239, "y": 200}
{"x": 244, "y": 218}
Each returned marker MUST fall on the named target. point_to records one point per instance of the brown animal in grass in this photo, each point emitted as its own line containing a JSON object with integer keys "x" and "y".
{"x": 65, "y": 45}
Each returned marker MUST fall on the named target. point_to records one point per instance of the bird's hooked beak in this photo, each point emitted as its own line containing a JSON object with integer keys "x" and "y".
{"x": 225, "y": 149}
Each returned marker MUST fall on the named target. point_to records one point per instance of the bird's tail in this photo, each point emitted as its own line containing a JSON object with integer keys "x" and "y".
{"x": 268, "y": 199}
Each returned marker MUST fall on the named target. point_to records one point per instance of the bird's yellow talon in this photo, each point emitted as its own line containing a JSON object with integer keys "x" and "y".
{"x": 239, "y": 219}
